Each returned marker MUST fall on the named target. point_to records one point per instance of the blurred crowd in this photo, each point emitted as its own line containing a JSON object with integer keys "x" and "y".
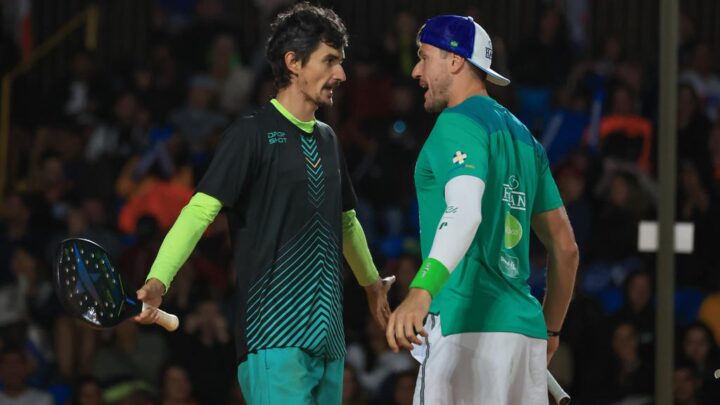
{"x": 113, "y": 152}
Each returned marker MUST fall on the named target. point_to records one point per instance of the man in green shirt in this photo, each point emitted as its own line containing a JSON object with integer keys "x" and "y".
{"x": 482, "y": 182}
{"x": 282, "y": 178}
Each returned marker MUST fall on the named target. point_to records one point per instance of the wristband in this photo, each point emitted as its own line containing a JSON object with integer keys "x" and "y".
{"x": 552, "y": 333}
{"x": 431, "y": 276}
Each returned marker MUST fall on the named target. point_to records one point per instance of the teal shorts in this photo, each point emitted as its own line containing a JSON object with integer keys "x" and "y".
{"x": 290, "y": 376}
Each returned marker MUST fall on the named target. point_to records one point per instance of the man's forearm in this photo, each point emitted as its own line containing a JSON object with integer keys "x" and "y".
{"x": 183, "y": 236}
{"x": 562, "y": 267}
{"x": 455, "y": 233}
{"x": 356, "y": 251}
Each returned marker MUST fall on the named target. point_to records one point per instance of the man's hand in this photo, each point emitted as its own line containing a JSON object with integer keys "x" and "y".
{"x": 377, "y": 300}
{"x": 553, "y": 343}
{"x": 150, "y": 294}
{"x": 407, "y": 320}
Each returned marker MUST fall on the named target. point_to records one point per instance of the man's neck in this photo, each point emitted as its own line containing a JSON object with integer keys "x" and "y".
{"x": 297, "y": 103}
{"x": 463, "y": 90}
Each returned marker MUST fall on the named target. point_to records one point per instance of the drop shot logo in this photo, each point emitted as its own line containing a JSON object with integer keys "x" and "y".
{"x": 276, "y": 137}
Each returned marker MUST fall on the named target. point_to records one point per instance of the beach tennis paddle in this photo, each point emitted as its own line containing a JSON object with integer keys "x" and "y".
{"x": 556, "y": 391}
{"x": 91, "y": 289}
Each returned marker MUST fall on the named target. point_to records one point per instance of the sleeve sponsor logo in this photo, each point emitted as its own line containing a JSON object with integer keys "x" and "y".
{"x": 459, "y": 158}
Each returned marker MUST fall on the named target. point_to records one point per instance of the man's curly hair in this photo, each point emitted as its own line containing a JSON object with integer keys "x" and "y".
{"x": 300, "y": 30}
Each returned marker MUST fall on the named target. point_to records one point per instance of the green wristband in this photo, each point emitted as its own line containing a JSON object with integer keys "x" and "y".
{"x": 431, "y": 276}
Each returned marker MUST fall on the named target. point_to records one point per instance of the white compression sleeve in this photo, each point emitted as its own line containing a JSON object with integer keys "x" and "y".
{"x": 459, "y": 223}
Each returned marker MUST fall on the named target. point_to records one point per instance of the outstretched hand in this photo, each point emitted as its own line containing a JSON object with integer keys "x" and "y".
{"x": 377, "y": 300}
{"x": 151, "y": 295}
{"x": 407, "y": 320}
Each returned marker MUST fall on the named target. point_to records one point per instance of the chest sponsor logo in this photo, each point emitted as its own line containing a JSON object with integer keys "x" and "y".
{"x": 513, "y": 231}
{"x": 276, "y": 137}
{"x": 512, "y": 195}
{"x": 509, "y": 265}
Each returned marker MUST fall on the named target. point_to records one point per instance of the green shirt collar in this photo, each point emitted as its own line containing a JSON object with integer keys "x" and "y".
{"x": 305, "y": 126}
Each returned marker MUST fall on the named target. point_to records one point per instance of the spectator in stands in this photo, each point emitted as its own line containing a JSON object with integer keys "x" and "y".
{"x": 234, "y": 80}
{"x": 399, "y": 44}
{"x": 638, "y": 309}
{"x": 614, "y": 235}
{"x": 629, "y": 377}
{"x": 545, "y": 58}
{"x": 373, "y": 359}
{"x": 122, "y": 135}
{"x": 14, "y": 369}
{"x": 176, "y": 387}
{"x": 205, "y": 348}
{"x": 128, "y": 351}
{"x": 81, "y": 96}
{"x": 586, "y": 332}
{"x": 167, "y": 81}
{"x": 16, "y": 228}
{"x": 699, "y": 348}
{"x": 624, "y": 134}
{"x": 687, "y": 385}
{"x": 571, "y": 184}
{"x": 87, "y": 392}
{"x": 196, "y": 121}
{"x": 703, "y": 79}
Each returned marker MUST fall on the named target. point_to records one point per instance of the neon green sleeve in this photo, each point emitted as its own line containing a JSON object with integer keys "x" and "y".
{"x": 183, "y": 236}
{"x": 355, "y": 250}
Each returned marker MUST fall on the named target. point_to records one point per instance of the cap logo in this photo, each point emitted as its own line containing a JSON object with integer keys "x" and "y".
{"x": 454, "y": 44}
{"x": 488, "y": 53}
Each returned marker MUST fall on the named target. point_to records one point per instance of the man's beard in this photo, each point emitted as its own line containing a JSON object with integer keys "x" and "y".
{"x": 439, "y": 101}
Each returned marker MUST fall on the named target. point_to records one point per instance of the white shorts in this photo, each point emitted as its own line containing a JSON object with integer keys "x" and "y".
{"x": 496, "y": 368}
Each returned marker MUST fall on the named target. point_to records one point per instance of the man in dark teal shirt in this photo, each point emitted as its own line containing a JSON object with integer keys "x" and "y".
{"x": 281, "y": 175}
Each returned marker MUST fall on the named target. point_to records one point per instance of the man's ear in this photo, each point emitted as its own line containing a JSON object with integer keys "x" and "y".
{"x": 292, "y": 62}
{"x": 456, "y": 63}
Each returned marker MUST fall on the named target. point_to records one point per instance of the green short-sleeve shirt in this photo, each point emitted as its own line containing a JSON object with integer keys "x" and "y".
{"x": 488, "y": 290}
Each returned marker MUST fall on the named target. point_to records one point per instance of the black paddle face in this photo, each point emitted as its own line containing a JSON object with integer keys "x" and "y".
{"x": 89, "y": 286}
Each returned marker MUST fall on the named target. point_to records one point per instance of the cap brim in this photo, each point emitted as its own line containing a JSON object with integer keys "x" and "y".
{"x": 493, "y": 76}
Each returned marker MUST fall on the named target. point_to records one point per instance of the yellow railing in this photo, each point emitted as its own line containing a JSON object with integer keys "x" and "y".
{"x": 87, "y": 18}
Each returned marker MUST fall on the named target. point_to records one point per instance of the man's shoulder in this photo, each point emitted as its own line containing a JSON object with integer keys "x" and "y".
{"x": 324, "y": 127}
{"x": 247, "y": 124}
{"x": 325, "y": 132}
{"x": 460, "y": 122}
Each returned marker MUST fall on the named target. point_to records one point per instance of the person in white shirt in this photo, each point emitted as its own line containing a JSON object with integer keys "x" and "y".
{"x": 14, "y": 370}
